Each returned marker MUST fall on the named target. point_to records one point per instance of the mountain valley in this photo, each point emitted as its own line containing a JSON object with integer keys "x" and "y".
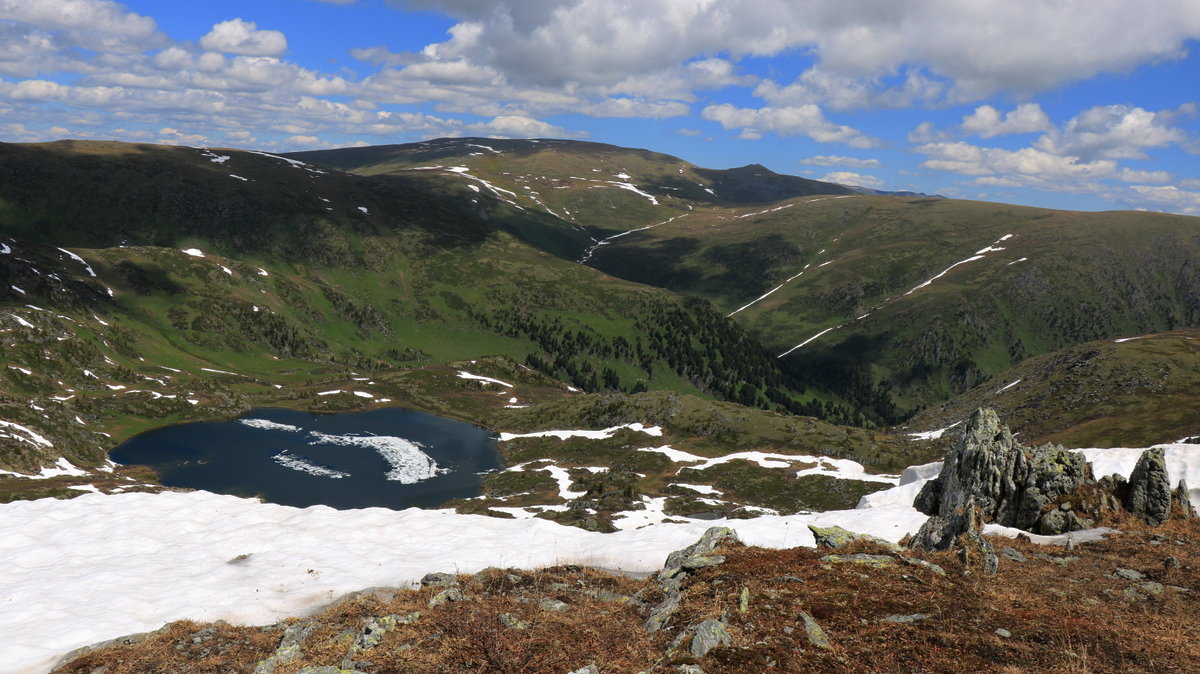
{"x": 654, "y": 345}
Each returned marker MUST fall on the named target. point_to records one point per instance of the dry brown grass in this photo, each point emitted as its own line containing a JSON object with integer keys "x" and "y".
{"x": 1072, "y": 617}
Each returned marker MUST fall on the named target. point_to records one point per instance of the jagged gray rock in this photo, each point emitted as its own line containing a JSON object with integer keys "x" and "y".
{"x": 1008, "y": 484}
{"x": 447, "y": 595}
{"x": 288, "y": 651}
{"x": 1058, "y": 521}
{"x": 1148, "y": 495}
{"x": 374, "y": 629}
{"x": 679, "y": 565}
{"x": 661, "y": 613}
{"x": 815, "y": 633}
{"x": 939, "y": 532}
{"x": 589, "y": 669}
{"x": 698, "y": 554}
{"x": 707, "y": 636}
{"x": 1181, "y": 497}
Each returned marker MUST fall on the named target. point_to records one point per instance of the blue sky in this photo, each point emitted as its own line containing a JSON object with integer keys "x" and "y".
{"x": 1078, "y": 104}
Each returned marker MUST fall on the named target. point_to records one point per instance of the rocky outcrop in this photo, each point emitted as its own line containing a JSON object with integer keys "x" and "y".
{"x": 681, "y": 564}
{"x": 1181, "y": 497}
{"x": 1148, "y": 495}
{"x": 1010, "y": 485}
{"x": 1048, "y": 490}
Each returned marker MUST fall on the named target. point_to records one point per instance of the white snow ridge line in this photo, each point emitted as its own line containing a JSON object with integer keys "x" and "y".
{"x": 977, "y": 256}
{"x": 767, "y": 294}
{"x": 808, "y": 340}
{"x": 80, "y": 260}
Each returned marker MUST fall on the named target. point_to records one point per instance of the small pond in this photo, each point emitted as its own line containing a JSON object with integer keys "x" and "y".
{"x": 389, "y": 457}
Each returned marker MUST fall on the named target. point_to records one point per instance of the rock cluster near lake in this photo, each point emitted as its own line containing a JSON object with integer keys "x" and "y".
{"x": 1049, "y": 490}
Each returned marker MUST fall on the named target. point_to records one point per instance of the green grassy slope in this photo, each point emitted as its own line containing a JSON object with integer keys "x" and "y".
{"x": 308, "y": 278}
{"x": 853, "y": 270}
{"x": 601, "y": 189}
{"x": 1130, "y": 393}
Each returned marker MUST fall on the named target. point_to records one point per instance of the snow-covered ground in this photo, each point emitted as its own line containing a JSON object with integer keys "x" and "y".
{"x": 101, "y": 566}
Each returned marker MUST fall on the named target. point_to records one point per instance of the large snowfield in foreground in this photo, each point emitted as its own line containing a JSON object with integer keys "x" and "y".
{"x": 101, "y": 566}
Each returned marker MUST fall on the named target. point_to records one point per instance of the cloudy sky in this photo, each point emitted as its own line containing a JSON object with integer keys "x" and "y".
{"x": 1082, "y": 104}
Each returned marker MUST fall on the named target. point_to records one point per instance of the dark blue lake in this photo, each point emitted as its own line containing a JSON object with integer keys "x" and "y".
{"x": 390, "y": 457}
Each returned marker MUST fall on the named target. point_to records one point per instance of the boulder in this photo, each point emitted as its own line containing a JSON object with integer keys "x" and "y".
{"x": 836, "y": 537}
{"x": 1148, "y": 495}
{"x": 439, "y": 580}
{"x": 707, "y": 636}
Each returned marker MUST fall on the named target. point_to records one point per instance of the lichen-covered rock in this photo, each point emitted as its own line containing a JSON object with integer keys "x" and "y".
{"x": 939, "y": 532}
{"x": 698, "y": 554}
{"x": 707, "y": 636}
{"x": 445, "y": 596}
{"x": 661, "y": 614}
{"x": 1148, "y": 495}
{"x": 905, "y": 618}
{"x": 1044, "y": 476}
{"x": 913, "y": 561}
{"x": 288, "y": 651}
{"x": 874, "y": 561}
{"x": 1184, "y": 501}
{"x": 553, "y": 605}
{"x": 512, "y": 622}
{"x": 979, "y": 466}
{"x": 374, "y": 629}
{"x": 1008, "y": 484}
{"x": 836, "y": 537}
{"x": 815, "y": 633}
{"x": 679, "y": 565}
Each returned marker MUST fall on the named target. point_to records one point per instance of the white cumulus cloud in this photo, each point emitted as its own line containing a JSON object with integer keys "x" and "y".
{"x": 244, "y": 38}
{"x": 98, "y": 25}
{"x": 1114, "y": 132}
{"x": 987, "y": 121}
{"x": 806, "y": 120}
{"x": 852, "y": 178}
